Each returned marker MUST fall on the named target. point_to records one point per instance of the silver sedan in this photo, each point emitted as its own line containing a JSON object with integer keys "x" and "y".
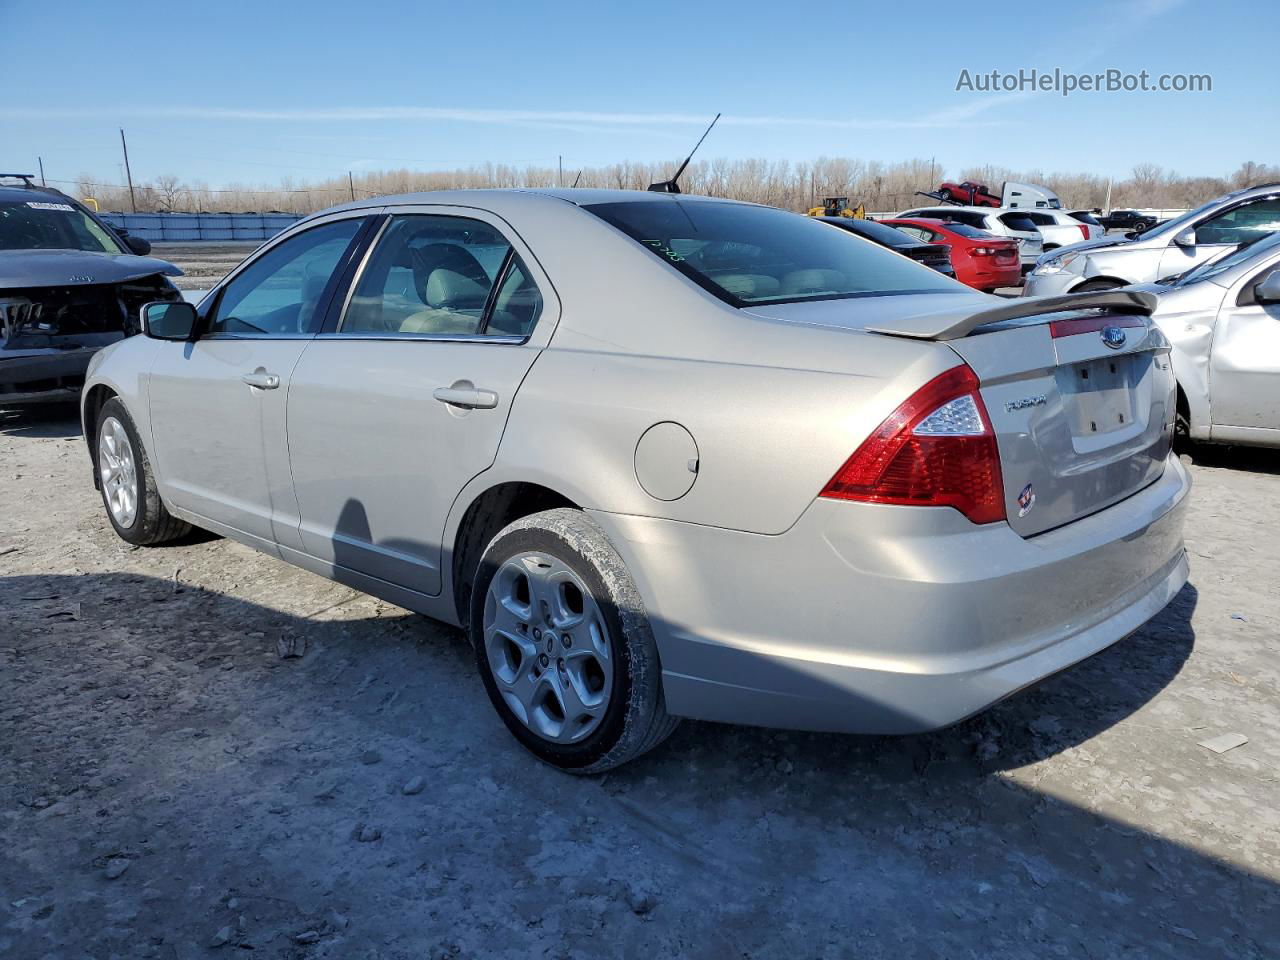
{"x": 665, "y": 456}
{"x": 1223, "y": 319}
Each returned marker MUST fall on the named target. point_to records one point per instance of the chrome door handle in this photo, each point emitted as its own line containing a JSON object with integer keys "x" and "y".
{"x": 470, "y": 398}
{"x": 261, "y": 380}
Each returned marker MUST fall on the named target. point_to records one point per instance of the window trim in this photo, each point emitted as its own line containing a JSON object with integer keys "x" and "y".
{"x": 389, "y": 215}
{"x": 327, "y": 295}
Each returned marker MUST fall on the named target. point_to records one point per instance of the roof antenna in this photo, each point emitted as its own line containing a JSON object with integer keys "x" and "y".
{"x": 673, "y": 185}
{"x": 576, "y": 179}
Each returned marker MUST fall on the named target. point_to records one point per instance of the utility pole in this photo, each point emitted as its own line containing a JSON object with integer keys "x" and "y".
{"x": 133, "y": 201}
{"x": 560, "y": 160}
{"x": 351, "y": 185}
{"x": 933, "y": 182}
{"x": 40, "y": 160}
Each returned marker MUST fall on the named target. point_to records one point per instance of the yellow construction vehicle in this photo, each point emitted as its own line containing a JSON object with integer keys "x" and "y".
{"x": 838, "y": 207}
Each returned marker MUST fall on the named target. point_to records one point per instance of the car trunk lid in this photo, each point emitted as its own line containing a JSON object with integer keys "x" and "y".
{"x": 1079, "y": 392}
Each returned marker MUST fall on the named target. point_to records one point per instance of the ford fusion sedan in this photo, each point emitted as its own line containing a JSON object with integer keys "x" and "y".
{"x": 1171, "y": 248}
{"x": 1223, "y": 320}
{"x": 664, "y": 456}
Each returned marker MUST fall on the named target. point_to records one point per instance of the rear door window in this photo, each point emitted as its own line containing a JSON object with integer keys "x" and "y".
{"x": 435, "y": 275}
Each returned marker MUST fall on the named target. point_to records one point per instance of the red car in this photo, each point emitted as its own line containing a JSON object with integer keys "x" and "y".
{"x": 981, "y": 259}
{"x": 969, "y": 192}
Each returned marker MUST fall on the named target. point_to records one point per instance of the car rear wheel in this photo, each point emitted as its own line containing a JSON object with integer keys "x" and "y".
{"x": 127, "y": 482}
{"x": 564, "y": 646}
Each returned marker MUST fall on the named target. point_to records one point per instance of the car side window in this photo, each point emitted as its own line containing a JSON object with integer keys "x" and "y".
{"x": 436, "y": 275}
{"x": 1241, "y": 224}
{"x": 917, "y": 233}
{"x": 281, "y": 291}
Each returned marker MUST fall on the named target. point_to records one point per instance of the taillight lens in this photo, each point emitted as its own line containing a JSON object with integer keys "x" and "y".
{"x": 1084, "y": 228}
{"x": 936, "y": 450}
{"x": 983, "y": 251}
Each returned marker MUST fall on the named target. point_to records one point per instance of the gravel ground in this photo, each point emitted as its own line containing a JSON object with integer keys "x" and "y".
{"x": 174, "y": 787}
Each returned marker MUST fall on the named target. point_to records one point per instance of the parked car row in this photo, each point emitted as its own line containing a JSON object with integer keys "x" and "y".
{"x": 666, "y": 456}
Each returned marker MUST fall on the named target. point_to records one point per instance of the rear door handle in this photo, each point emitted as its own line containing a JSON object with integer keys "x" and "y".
{"x": 467, "y": 397}
{"x": 262, "y": 380}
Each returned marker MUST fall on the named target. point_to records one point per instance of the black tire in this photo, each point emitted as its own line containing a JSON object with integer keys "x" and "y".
{"x": 1098, "y": 285}
{"x": 635, "y": 719}
{"x": 152, "y": 524}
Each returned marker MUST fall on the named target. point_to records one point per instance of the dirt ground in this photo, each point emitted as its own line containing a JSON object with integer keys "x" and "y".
{"x": 171, "y": 786}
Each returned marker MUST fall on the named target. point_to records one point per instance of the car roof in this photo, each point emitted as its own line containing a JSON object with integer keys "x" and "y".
{"x": 11, "y": 192}
{"x": 527, "y": 198}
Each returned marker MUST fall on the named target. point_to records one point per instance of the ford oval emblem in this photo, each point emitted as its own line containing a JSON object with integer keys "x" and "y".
{"x": 1113, "y": 337}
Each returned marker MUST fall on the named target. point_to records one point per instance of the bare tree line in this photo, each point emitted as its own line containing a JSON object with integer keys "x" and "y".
{"x": 780, "y": 183}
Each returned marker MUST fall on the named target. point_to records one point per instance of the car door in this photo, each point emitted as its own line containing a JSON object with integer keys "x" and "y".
{"x": 217, "y": 403}
{"x": 404, "y": 401}
{"x": 1244, "y": 364}
{"x": 1242, "y": 223}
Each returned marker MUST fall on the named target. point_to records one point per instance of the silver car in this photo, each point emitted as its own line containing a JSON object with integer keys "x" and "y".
{"x": 1223, "y": 319}
{"x": 1171, "y": 248}
{"x": 665, "y": 456}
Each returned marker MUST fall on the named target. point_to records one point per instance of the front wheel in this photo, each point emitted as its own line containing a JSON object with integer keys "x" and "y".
{"x": 128, "y": 483}
{"x": 564, "y": 646}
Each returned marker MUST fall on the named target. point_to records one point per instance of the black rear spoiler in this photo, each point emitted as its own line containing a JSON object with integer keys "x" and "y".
{"x": 954, "y": 324}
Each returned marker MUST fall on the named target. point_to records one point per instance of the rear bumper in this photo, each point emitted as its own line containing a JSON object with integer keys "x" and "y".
{"x": 867, "y": 618}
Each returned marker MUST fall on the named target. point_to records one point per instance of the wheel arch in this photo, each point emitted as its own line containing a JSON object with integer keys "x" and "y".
{"x": 95, "y": 398}
{"x": 488, "y": 512}
{"x": 1100, "y": 276}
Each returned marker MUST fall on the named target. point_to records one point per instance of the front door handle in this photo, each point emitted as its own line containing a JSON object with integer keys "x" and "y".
{"x": 463, "y": 394}
{"x": 262, "y": 380}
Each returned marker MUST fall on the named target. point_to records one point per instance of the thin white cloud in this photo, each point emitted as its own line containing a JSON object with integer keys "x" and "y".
{"x": 582, "y": 121}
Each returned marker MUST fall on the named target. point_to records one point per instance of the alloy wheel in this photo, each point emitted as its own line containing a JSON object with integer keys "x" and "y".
{"x": 548, "y": 647}
{"x": 117, "y": 470}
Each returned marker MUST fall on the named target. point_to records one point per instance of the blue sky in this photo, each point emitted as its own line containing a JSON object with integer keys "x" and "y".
{"x": 255, "y": 92}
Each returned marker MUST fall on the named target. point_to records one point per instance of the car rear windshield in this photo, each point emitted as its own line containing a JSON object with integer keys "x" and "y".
{"x": 746, "y": 254}
{"x": 1019, "y": 222}
{"x": 1085, "y": 217}
{"x": 51, "y": 225}
{"x": 964, "y": 230}
{"x": 879, "y": 232}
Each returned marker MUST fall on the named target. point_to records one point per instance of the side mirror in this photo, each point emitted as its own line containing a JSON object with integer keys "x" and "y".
{"x": 138, "y": 245}
{"x": 1186, "y": 238}
{"x": 169, "y": 321}
{"x": 1268, "y": 291}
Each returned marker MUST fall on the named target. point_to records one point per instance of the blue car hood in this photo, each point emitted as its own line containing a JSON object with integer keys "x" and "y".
{"x": 68, "y": 268}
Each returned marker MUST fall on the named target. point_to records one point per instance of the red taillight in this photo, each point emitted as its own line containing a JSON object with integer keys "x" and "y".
{"x": 936, "y": 450}
{"x": 1084, "y": 228}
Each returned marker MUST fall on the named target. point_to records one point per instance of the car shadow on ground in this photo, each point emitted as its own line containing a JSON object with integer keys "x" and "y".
{"x": 160, "y": 725}
{"x": 45, "y": 420}
{"x": 1247, "y": 459}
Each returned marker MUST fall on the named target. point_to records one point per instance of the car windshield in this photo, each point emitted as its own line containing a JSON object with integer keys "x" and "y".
{"x": 1251, "y": 250}
{"x": 746, "y": 254}
{"x": 1170, "y": 227}
{"x": 51, "y": 225}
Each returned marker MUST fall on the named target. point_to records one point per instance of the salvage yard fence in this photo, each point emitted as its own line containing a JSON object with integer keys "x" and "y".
{"x": 201, "y": 227}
